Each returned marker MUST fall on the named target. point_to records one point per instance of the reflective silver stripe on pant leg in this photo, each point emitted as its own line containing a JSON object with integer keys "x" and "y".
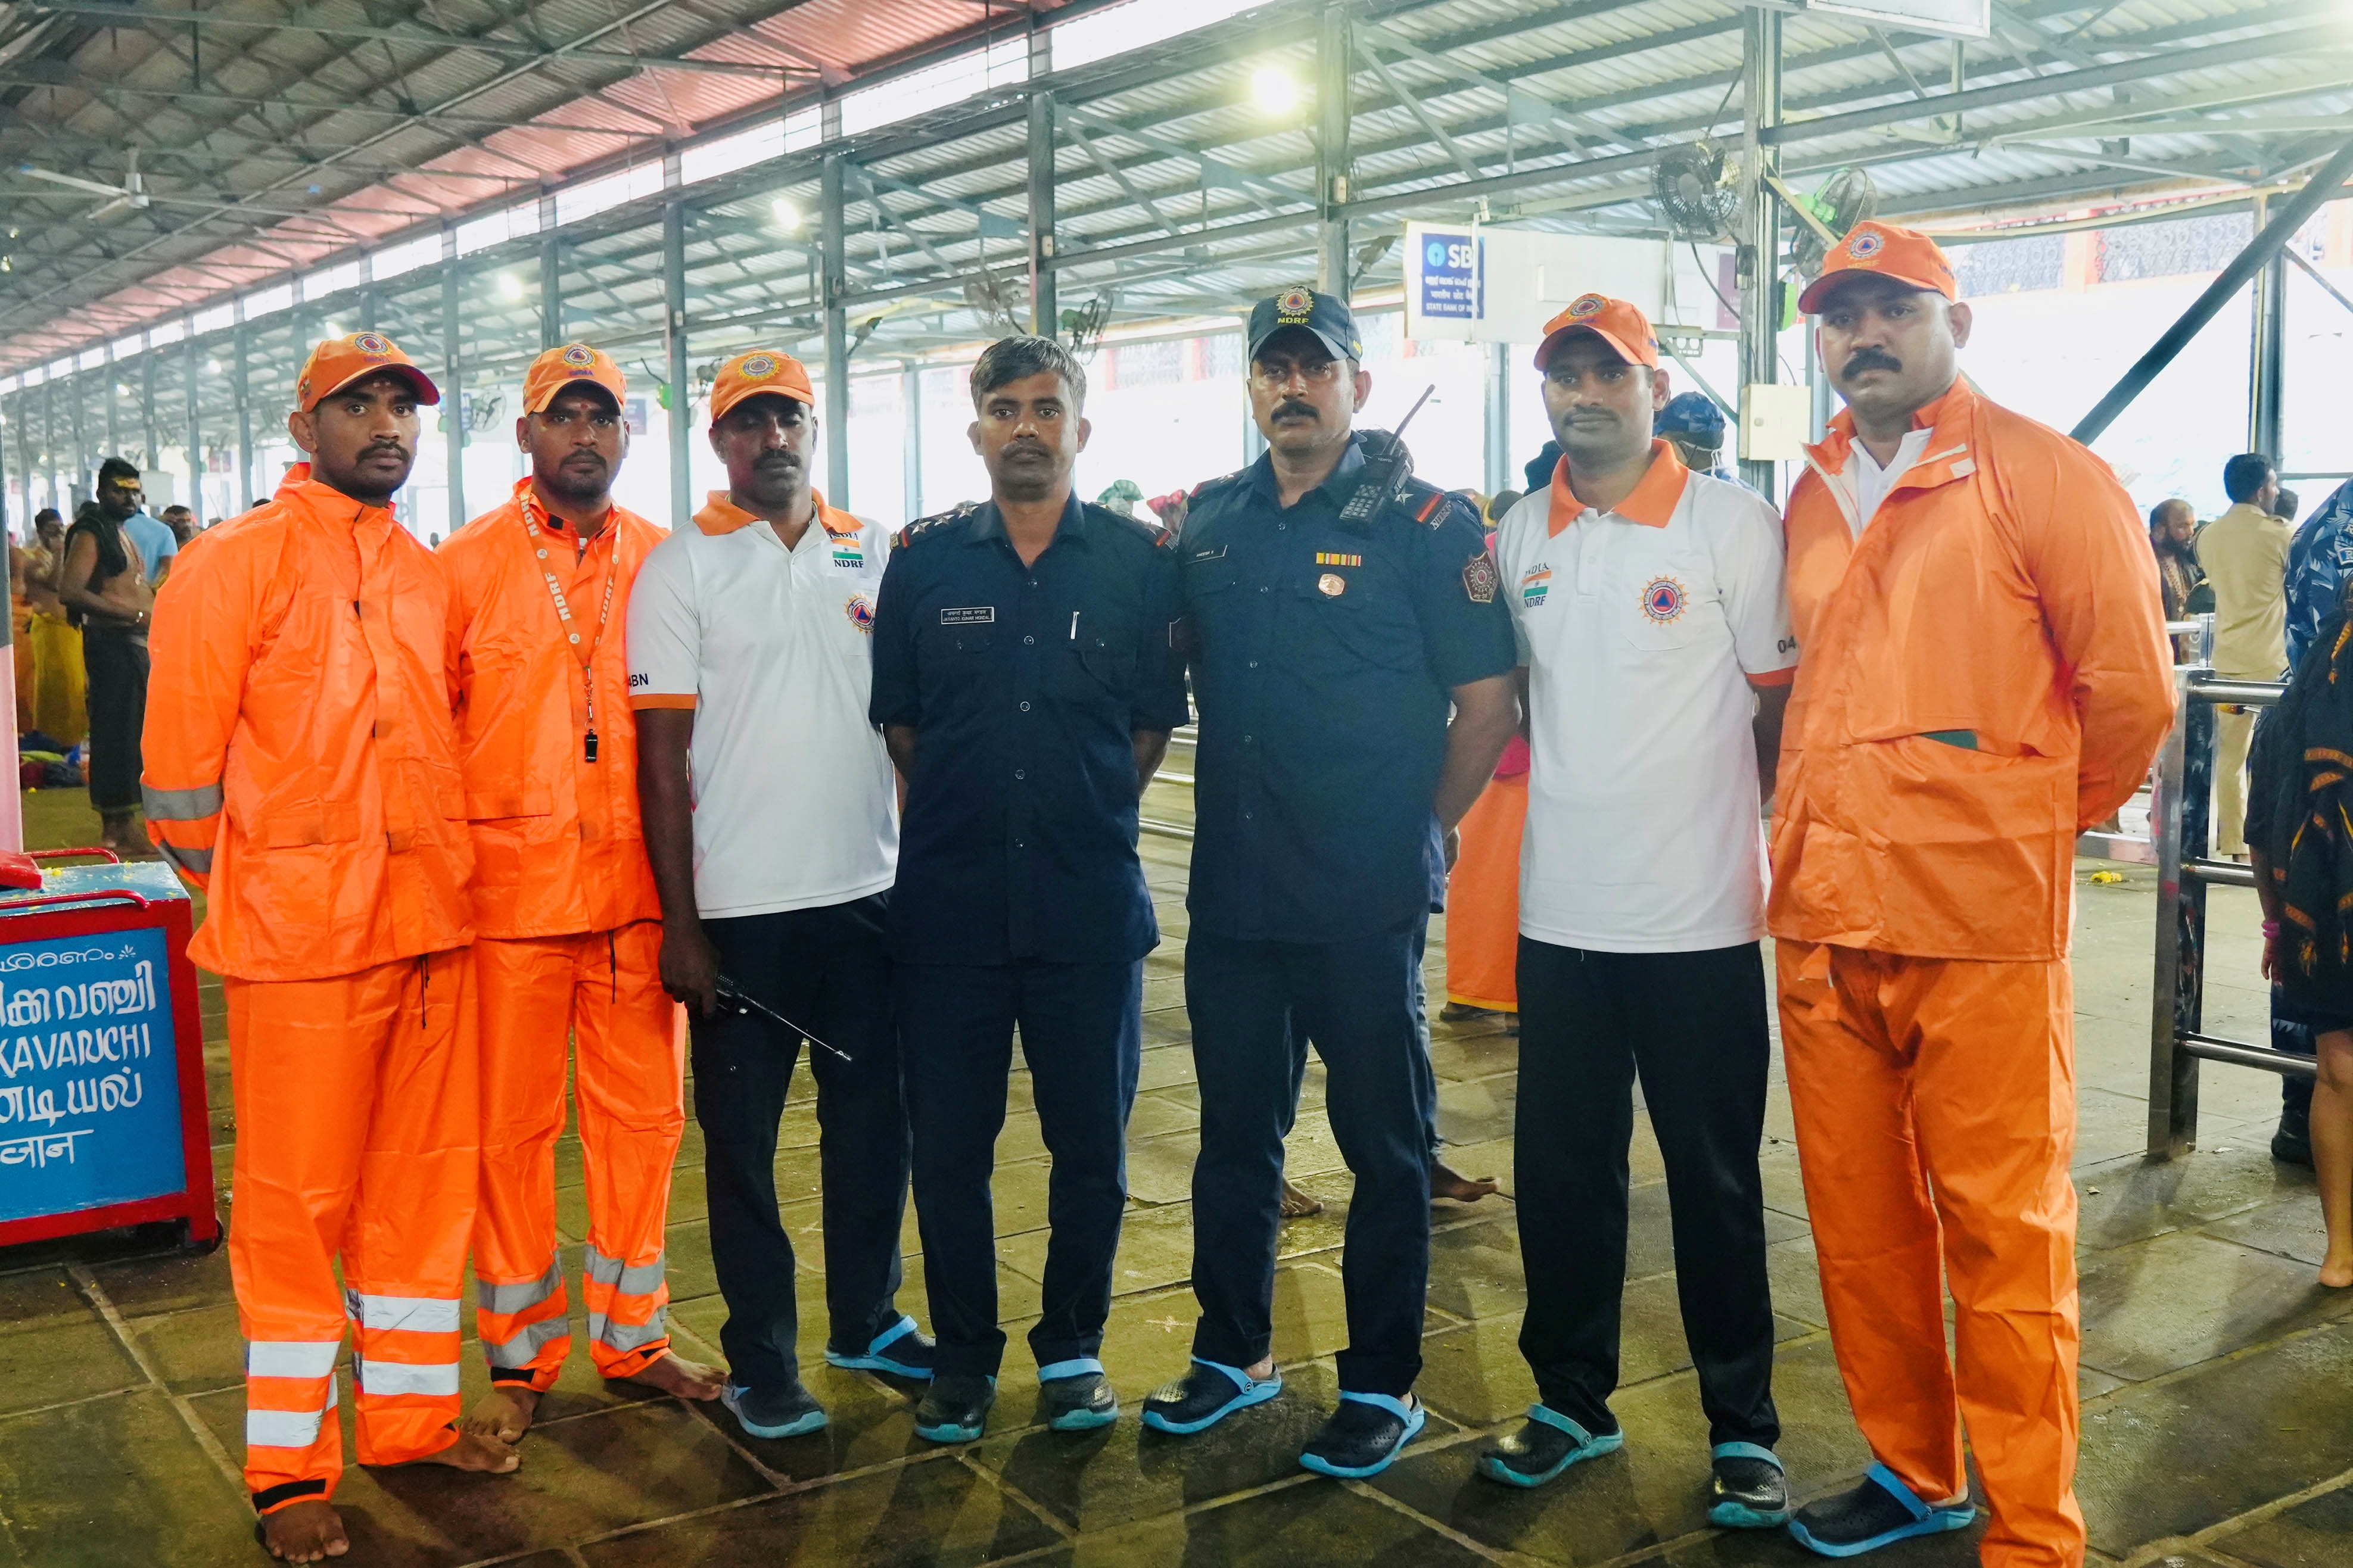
{"x": 382, "y": 1379}
{"x": 517, "y": 1354}
{"x": 514, "y": 1297}
{"x": 411, "y": 1314}
{"x": 627, "y": 1337}
{"x": 291, "y": 1358}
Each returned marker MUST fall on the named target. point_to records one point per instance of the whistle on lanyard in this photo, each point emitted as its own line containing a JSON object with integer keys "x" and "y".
{"x": 731, "y": 997}
{"x": 588, "y": 747}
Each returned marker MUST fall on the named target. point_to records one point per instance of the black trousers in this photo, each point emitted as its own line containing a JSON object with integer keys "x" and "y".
{"x": 1254, "y": 1006}
{"x": 1081, "y": 1029}
{"x": 116, "y": 665}
{"x": 827, "y": 971}
{"x": 1694, "y": 1025}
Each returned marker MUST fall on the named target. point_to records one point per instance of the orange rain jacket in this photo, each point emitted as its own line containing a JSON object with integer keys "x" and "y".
{"x": 300, "y": 760}
{"x": 2004, "y": 598}
{"x": 558, "y": 843}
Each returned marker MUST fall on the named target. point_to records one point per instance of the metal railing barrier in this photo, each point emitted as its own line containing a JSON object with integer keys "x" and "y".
{"x": 2181, "y": 810}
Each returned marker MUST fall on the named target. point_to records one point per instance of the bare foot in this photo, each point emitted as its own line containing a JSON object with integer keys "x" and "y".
{"x": 1297, "y": 1205}
{"x": 505, "y": 1412}
{"x": 1445, "y": 1183}
{"x": 476, "y": 1451}
{"x": 2337, "y": 1270}
{"x": 305, "y": 1531}
{"x": 674, "y": 1374}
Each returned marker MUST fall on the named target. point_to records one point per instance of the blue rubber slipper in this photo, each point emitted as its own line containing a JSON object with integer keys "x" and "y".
{"x": 1543, "y": 1448}
{"x": 1363, "y": 1437}
{"x": 1880, "y": 1512}
{"x": 912, "y": 1361}
{"x": 1207, "y": 1392}
{"x": 1747, "y": 1487}
{"x": 1075, "y": 1395}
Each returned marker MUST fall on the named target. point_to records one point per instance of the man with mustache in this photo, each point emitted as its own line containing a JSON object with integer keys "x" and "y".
{"x": 1657, "y": 658}
{"x": 1984, "y": 674}
{"x": 566, "y": 917}
{"x": 301, "y": 768}
{"x": 773, "y": 834}
{"x": 1353, "y": 673}
{"x": 1026, "y": 681}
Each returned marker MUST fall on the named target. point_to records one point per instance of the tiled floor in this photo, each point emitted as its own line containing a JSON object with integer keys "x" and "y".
{"x": 2218, "y": 1428}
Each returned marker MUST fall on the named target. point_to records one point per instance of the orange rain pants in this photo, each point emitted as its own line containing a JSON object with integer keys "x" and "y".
{"x": 367, "y": 1087}
{"x": 1483, "y": 898}
{"x": 1936, "y": 1112}
{"x": 603, "y": 990}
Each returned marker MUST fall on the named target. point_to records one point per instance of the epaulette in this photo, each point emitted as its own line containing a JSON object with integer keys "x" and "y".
{"x": 934, "y": 525}
{"x": 1205, "y": 486}
{"x": 1150, "y": 531}
{"x": 1424, "y": 502}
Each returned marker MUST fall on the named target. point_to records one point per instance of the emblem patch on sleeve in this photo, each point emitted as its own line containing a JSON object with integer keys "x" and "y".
{"x": 1479, "y": 578}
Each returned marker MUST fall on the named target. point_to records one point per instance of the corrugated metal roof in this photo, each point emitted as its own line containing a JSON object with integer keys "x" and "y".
{"x": 1176, "y": 193}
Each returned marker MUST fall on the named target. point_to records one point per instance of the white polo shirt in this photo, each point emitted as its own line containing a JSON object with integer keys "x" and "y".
{"x": 1643, "y": 630}
{"x": 773, "y": 648}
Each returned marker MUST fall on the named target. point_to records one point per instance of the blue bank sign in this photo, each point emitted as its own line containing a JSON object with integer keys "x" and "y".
{"x": 1449, "y": 274}
{"x": 89, "y": 1088}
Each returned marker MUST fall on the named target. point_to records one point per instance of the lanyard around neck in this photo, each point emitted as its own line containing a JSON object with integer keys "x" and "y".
{"x": 584, "y": 652}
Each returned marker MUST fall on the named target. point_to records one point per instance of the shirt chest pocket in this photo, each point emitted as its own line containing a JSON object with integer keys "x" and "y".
{"x": 1092, "y": 666}
{"x": 1345, "y": 620}
{"x": 1661, "y": 607}
{"x": 960, "y": 654}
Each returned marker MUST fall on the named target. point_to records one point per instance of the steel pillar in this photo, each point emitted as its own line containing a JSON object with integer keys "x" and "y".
{"x": 1499, "y": 418}
{"x": 2324, "y": 183}
{"x": 154, "y": 455}
{"x": 837, "y": 336}
{"x": 1045, "y": 318}
{"x": 2266, "y": 349}
{"x": 113, "y": 405}
{"x": 240, "y": 495}
{"x": 83, "y": 468}
{"x": 196, "y": 438}
{"x": 1759, "y": 254}
{"x": 1332, "y": 120}
{"x": 550, "y": 293}
{"x": 910, "y": 398}
{"x": 453, "y": 390}
{"x": 58, "y": 502}
{"x": 682, "y": 395}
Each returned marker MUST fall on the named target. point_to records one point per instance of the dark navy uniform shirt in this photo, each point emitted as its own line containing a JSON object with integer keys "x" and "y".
{"x": 1026, "y": 686}
{"x": 1326, "y": 653}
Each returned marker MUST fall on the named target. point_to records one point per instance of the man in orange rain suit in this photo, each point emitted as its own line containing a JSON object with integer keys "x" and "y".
{"x": 1983, "y": 673}
{"x": 567, "y": 926}
{"x": 300, "y": 769}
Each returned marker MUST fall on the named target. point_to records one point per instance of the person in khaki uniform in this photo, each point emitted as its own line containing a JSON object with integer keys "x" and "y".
{"x": 2244, "y": 555}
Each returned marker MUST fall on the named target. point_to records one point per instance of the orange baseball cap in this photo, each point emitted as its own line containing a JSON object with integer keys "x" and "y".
{"x": 1904, "y": 254}
{"x": 1620, "y": 325}
{"x": 558, "y": 368}
{"x": 749, "y": 374}
{"x": 337, "y": 362}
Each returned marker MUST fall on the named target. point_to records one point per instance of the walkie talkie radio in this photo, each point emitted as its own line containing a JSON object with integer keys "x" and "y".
{"x": 1385, "y": 473}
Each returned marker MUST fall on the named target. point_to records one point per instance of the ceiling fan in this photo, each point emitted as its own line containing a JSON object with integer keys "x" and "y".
{"x": 132, "y": 194}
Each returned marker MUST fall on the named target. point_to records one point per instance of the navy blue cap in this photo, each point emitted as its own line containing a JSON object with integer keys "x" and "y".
{"x": 1693, "y": 415}
{"x": 1325, "y": 315}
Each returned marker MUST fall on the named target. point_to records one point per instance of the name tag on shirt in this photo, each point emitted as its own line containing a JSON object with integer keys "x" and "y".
{"x": 969, "y": 616}
{"x": 1217, "y": 554}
